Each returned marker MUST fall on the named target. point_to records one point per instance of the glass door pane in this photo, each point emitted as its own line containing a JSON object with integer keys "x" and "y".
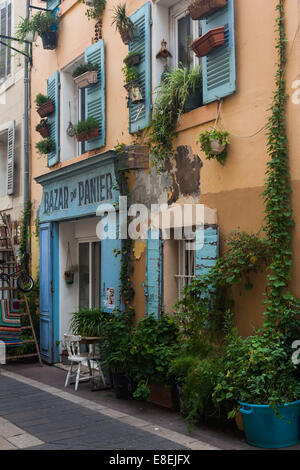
{"x": 84, "y": 275}
{"x": 96, "y": 270}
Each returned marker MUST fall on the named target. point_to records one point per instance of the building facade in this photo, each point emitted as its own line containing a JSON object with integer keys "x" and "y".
{"x": 69, "y": 184}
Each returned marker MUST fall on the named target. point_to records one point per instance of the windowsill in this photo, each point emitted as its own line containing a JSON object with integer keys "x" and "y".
{"x": 198, "y": 116}
{"x": 66, "y": 5}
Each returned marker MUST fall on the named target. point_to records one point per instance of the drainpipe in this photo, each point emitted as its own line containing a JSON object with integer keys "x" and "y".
{"x": 26, "y": 119}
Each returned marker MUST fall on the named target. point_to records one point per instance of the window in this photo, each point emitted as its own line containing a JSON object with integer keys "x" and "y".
{"x": 5, "y": 29}
{"x": 3, "y": 163}
{"x": 89, "y": 274}
{"x": 186, "y": 264}
{"x": 183, "y": 31}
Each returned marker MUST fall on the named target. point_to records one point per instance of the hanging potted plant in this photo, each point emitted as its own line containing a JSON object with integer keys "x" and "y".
{"x": 43, "y": 128}
{"x": 200, "y": 9}
{"x": 123, "y": 23}
{"x": 210, "y": 41}
{"x": 25, "y": 30}
{"x": 45, "y": 24}
{"x": 132, "y": 84}
{"x": 45, "y": 146}
{"x": 44, "y": 105}
{"x": 214, "y": 144}
{"x": 85, "y": 74}
{"x": 87, "y": 129}
{"x": 133, "y": 58}
{"x": 70, "y": 269}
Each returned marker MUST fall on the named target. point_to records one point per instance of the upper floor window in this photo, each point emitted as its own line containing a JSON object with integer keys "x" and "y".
{"x": 5, "y": 29}
{"x": 183, "y": 31}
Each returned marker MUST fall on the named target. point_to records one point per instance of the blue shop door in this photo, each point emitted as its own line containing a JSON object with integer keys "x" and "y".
{"x": 110, "y": 275}
{"x": 47, "y": 291}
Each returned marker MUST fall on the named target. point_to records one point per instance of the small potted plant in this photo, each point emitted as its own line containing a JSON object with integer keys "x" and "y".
{"x": 96, "y": 8}
{"x": 45, "y": 24}
{"x": 133, "y": 58}
{"x": 200, "y": 9}
{"x": 132, "y": 84}
{"x": 43, "y": 128}
{"x": 210, "y": 41}
{"x": 123, "y": 23}
{"x": 87, "y": 129}
{"x": 85, "y": 74}
{"x": 214, "y": 144}
{"x": 45, "y": 146}
{"x": 25, "y": 30}
{"x": 44, "y": 105}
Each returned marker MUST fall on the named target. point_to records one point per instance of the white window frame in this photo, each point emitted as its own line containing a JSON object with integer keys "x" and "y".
{"x": 177, "y": 12}
{"x": 8, "y": 51}
{"x": 186, "y": 273}
{"x": 90, "y": 241}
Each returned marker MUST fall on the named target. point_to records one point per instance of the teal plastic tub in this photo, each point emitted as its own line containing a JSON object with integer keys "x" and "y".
{"x": 263, "y": 428}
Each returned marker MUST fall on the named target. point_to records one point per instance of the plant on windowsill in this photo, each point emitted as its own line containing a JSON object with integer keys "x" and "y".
{"x": 85, "y": 74}
{"x": 133, "y": 58}
{"x": 45, "y": 24}
{"x": 132, "y": 84}
{"x": 214, "y": 144}
{"x": 44, "y": 105}
{"x": 96, "y": 8}
{"x": 87, "y": 129}
{"x": 172, "y": 95}
{"x": 43, "y": 128}
{"x": 200, "y": 9}
{"x": 123, "y": 23}
{"x": 45, "y": 146}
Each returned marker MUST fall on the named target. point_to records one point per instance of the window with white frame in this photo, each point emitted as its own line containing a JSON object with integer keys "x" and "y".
{"x": 89, "y": 255}
{"x": 183, "y": 30}
{"x": 186, "y": 264}
{"x": 5, "y": 29}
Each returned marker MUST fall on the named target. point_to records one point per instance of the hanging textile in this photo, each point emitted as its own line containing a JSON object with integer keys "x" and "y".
{"x": 10, "y": 323}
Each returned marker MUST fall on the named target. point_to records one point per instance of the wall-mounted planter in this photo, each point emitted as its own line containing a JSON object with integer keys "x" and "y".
{"x": 50, "y": 39}
{"x": 135, "y": 92}
{"x": 126, "y": 36}
{"x": 46, "y": 109}
{"x": 209, "y": 42}
{"x": 86, "y": 79}
{"x": 194, "y": 100}
{"x": 44, "y": 131}
{"x": 133, "y": 59}
{"x": 87, "y": 136}
{"x": 200, "y": 9}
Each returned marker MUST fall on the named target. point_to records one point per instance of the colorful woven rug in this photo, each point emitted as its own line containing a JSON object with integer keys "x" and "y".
{"x": 10, "y": 323}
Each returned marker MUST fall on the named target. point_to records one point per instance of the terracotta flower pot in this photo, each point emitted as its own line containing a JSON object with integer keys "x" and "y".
{"x": 44, "y": 131}
{"x": 126, "y": 36}
{"x": 87, "y": 136}
{"x": 209, "y": 42}
{"x": 46, "y": 109}
{"x": 200, "y": 9}
{"x": 133, "y": 60}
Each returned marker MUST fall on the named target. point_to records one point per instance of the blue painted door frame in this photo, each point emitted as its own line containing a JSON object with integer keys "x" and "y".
{"x": 49, "y": 292}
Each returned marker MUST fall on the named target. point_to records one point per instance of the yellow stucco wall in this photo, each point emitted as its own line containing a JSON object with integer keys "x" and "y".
{"x": 233, "y": 190}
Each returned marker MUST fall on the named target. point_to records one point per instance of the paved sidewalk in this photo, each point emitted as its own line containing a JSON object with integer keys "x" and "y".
{"x": 38, "y": 416}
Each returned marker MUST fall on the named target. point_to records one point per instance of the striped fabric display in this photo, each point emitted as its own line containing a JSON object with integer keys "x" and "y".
{"x": 10, "y": 323}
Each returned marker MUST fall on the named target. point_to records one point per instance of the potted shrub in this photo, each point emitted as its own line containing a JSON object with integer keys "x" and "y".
{"x": 200, "y": 9}
{"x": 44, "y": 105}
{"x": 209, "y": 42}
{"x": 85, "y": 74}
{"x": 123, "y": 23}
{"x": 96, "y": 8}
{"x": 45, "y": 25}
{"x": 43, "y": 128}
{"x": 259, "y": 376}
{"x": 132, "y": 84}
{"x": 133, "y": 58}
{"x": 214, "y": 144}
{"x": 45, "y": 146}
{"x": 87, "y": 129}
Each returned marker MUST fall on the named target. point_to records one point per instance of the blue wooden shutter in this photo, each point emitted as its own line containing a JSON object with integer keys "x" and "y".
{"x": 51, "y": 4}
{"x": 95, "y": 94}
{"x": 219, "y": 74}
{"x": 153, "y": 288}
{"x": 140, "y": 114}
{"x": 53, "y": 93}
{"x": 207, "y": 249}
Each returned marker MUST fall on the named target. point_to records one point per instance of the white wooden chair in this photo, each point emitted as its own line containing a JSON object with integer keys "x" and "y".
{"x": 75, "y": 356}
